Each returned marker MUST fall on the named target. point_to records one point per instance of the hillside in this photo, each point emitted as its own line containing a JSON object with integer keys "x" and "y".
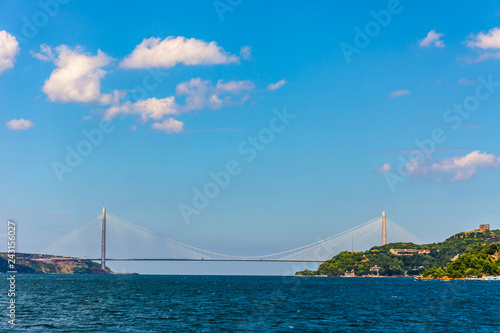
{"x": 51, "y": 266}
{"x": 380, "y": 260}
{"x": 483, "y": 261}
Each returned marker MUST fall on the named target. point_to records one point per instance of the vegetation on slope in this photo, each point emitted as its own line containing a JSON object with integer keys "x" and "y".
{"x": 478, "y": 262}
{"x": 395, "y": 265}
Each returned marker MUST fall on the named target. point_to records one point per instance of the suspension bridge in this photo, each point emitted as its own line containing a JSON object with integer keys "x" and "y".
{"x": 110, "y": 238}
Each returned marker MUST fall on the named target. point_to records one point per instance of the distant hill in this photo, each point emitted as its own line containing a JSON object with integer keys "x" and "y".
{"x": 48, "y": 266}
{"x": 415, "y": 260}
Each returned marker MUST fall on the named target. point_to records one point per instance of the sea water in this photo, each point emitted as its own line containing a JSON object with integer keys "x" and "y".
{"x": 149, "y": 303}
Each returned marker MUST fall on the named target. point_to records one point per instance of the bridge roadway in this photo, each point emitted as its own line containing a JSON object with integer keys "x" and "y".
{"x": 174, "y": 259}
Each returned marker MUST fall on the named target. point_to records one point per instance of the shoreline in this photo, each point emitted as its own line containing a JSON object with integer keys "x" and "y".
{"x": 483, "y": 278}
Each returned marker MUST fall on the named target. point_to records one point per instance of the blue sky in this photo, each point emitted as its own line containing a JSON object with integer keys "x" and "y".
{"x": 183, "y": 90}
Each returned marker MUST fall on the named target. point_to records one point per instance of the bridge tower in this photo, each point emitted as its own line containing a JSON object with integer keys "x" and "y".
{"x": 384, "y": 233}
{"x": 103, "y": 239}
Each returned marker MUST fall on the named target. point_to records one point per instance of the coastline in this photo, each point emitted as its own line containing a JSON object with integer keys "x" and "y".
{"x": 483, "y": 278}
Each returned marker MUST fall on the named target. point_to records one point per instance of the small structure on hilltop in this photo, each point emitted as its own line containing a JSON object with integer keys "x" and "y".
{"x": 484, "y": 227}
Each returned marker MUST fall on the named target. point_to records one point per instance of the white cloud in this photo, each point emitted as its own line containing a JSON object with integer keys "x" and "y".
{"x": 384, "y": 168}
{"x": 9, "y": 48}
{"x": 77, "y": 77}
{"x": 453, "y": 168}
{"x": 489, "y": 40}
{"x": 151, "y": 108}
{"x": 169, "y": 125}
{"x": 199, "y": 94}
{"x": 45, "y": 54}
{"x": 202, "y": 94}
{"x": 398, "y": 93}
{"x": 246, "y": 52}
{"x": 233, "y": 87}
{"x": 484, "y": 56}
{"x": 19, "y": 124}
{"x": 467, "y": 82}
{"x": 277, "y": 85}
{"x": 463, "y": 168}
{"x": 433, "y": 38}
{"x": 85, "y": 118}
{"x": 485, "y": 41}
{"x": 416, "y": 167}
{"x": 154, "y": 52}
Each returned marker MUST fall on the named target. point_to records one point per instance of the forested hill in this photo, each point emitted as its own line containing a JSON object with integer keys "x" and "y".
{"x": 406, "y": 263}
{"x": 483, "y": 261}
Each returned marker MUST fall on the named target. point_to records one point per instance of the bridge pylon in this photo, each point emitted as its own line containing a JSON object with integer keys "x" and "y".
{"x": 103, "y": 239}
{"x": 384, "y": 230}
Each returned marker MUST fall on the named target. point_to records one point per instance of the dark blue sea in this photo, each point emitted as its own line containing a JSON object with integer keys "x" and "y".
{"x": 141, "y": 303}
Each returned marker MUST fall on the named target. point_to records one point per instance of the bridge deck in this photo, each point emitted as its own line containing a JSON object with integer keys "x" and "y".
{"x": 174, "y": 259}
